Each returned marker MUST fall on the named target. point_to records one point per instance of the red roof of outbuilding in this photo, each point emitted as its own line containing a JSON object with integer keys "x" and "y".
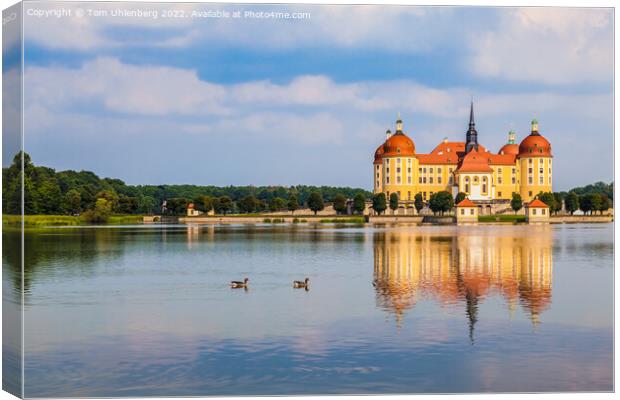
{"x": 536, "y": 203}
{"x": 466, "y": 203}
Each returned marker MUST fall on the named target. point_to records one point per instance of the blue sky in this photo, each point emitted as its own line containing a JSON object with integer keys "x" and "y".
{"x": 255, "y": 101}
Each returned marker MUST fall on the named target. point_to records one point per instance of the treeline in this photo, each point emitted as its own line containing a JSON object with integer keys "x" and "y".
{"x": 587, "y": 202}
{"x": 70, "y": 192}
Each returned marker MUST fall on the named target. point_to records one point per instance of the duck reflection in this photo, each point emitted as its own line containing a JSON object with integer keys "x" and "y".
{"x": 458, "y": 267}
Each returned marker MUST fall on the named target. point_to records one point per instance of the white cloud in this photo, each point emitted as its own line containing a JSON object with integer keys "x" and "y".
{"x": 547, "y": 44}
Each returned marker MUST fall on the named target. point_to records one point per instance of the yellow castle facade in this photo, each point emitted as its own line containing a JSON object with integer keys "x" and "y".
{"x": 468, "y": 167}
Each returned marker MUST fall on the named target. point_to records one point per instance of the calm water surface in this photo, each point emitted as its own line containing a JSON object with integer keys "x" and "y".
{"x": 146, "y": 310}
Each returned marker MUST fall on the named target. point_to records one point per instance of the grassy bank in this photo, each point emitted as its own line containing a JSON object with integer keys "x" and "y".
{"x": 39, "y": 221}
{"x": 501, "y": 218}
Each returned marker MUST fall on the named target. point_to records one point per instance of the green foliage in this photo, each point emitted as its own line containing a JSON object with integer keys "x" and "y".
{"x": 516, "y": 203}
{"x": 418, "y": 202}
{"x": 45, "y": 191}
{"x": 359, "y": 203}
{"x": 224, "y": 205}
{"x": 248, "y": 204}
{"x": 277, "y": 204}
{"x": 460, "y": 196}
{"x": 292, "y": 203}
{"x": 557, "y": 206}
{"x": 501, "y": 218}
{"x": 315, "y": 202}
{"x": 598, "y": 187}
{"x": 100, "y": 213}
{"x": 441, "y": 202}
{"x": 72, "y": 202}
{"x": 547, "y": 198}
{"x": 571, "y": 203}
{"x": 340, "y": 203}
{"x": 586, "y": 203}
{"x": 378, "y": 203}
{"x": 393, "y": 201}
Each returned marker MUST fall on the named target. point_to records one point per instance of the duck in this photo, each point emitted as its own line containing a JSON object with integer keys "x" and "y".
{"x": 239, "y": 284}
{"x": 301, "y": 284}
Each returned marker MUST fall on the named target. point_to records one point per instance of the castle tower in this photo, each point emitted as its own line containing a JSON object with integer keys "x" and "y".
{"x": 535, "y": 161}
{"x": 471, "y": 137}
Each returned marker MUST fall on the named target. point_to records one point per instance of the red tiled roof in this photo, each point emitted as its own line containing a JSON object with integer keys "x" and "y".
{"x": 503, "y": 159}
{"x": 466, "y": 203}
{"x": 536, "y": 203}
{"x": 475, "y": 161}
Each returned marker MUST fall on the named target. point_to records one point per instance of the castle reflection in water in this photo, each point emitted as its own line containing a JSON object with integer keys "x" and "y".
{"x": 463, "y": 266}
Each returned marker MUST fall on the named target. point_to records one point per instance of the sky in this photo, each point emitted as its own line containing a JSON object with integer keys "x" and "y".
{"x": 268, "y": 101}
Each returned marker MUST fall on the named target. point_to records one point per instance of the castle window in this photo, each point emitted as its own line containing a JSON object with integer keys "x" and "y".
{"x": 420, "y": 180}
{"x": 499, "y": 171}
{"x": 409, "y": 161}
{"x": 530, "y": 193}
{"x": 549, "y": 181}
{"x": 387, "y": 180}
{"x": 514, "y": 180}
{"x": 475, "y": 179}
{"x": 398, "y": 170}
{"x": 530, "y": 161}
{"x": 377, "y": 174}
{"x": 409, "y": 180}
{"x": 398, "y": 161}
{"x": 541, "y": 180}
{"x": 439, "y": 170}
{"x": 499, "y": 194}
{"x": 467, "y": 188}
{"x": 541, "y": 171}
{"x": 439, "y": 179}
{"x": 377, "y": 183}
{"x": 543, "y": 211}
{"x": 529, "y": 170}
{"x": 398, "y": 150}
{"x": 424, "y": 180}
{"x": 409, "y": 170}
{"x": 471, "y": 211}
{"x": 431, "y": 171}
{"x": 430, "y": 180}
{"x": 398, "y": 179}
{"x": 424, "y": 170}
{"x": 549, "y": 171}
{"x": 484, "y": 188}
{"x": 387, "y": 170}
{"x": 377, "y": 168}
{"x": 499, "y": 180}
{"x": 420, "y": 170}
{"x": 424, "y": 195}
{"x": 530, "y": 180}
{"x": 514, "y": 171}
{"x": 534, "y": 211}
{"x": 408, "y": 195}
{"x": 467, "y": 179}
{"x": 462, "y": 211}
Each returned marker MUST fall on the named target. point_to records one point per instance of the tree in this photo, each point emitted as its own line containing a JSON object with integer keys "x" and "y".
{"x": 111, "y": 196}
{"x": 293, "y": 203}
{"x": 585, "y": 203}
{"x": 393, "y": 202}
{"x": 418, "y": 202}
{"x": 277, "y": 204}
{"x": 224, "y": 205}
{"x": 559, "y": 199}
{"x": 72, "y": 202}
{"x": 441, "y": 202}
{"x": 100, "y": 213}
{"x": 146, "y": 204}
{"x": 605, "y": 203}
{"x": 340, "y": 203}
{"x": 572, "y": 202}
{"x": 127, "y": 204}
{"x": 359, "y": 203}
{"x": 315, "y": 202}
{"x": 247, "y": 204}
{"x": 516, "y": 203}
{"x": 597, "y": 201}
{"x": 378, "y": 203}
{"x": 460, "y": 196}
{"x": 548, "y": 199}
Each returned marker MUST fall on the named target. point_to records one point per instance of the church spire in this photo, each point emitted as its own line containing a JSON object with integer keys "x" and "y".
{"x": 471, "y": 137}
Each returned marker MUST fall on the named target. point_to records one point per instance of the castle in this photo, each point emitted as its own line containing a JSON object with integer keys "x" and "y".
{"x": 486, "y": 178}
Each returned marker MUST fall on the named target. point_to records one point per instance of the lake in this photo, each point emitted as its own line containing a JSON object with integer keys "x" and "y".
{"x": 147, "y": 310}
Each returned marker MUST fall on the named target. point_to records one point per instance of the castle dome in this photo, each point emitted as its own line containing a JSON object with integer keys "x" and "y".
{"x": 535, "y": 145}
{"x": 379, "y": 154}
{"x": 509, "y": 148}
{"x": 398, "y": 144}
